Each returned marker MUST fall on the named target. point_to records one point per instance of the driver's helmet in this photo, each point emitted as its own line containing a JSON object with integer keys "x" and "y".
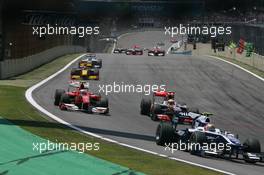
{"x": 202, "y": 121}
{"x": 170, "y": 96}
{"x": 209, "y": 127}
{"x": 81, "y": 86}
{"x": 83, "y": 92}
{"x": 171, "y": 103}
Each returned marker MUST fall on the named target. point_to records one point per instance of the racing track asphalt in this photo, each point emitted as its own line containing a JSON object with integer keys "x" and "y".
{"x": 234, "y": 96}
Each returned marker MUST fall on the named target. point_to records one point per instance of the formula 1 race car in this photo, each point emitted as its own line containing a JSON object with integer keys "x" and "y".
{"x": 119, "y": 50}
{"x": 90, "y": 61}
{"x": 162, "y": 104}
{"x": 156, "y": 51}
{"x": 136, "y": 50}
{"x": 204, "y": 139}
{"x": 85, "y": 74}
{"x": 79, "y": 98}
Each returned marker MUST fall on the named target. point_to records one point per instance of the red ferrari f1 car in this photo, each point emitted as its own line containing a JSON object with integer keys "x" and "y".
{"x": 156, "y": 51}
{"x": 79, "y": 98}
{"x": 136, "y": 50}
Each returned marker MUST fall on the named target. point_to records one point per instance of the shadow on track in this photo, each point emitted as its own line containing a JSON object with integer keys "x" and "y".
{"x": 51, "y": 124}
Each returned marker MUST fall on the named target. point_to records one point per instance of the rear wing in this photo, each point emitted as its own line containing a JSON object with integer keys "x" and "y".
{"x": 163, "y": 93}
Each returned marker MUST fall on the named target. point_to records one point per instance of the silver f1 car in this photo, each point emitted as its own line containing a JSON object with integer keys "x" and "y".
{"x": 90, "y": 61}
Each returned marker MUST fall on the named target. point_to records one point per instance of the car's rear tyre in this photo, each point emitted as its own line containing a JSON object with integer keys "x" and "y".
{"x": 197, "y": 139}
{"x": 103, "y": 102}
{"x": 96, "y": 72}
{"x": 57, "y": 97}
{"x": 145, "y": 106}
{"x": 165, "y": 134}
{"x": 252, "y": 146}
{"x": 65, "y": 98}
{"x": 156, "y": 110}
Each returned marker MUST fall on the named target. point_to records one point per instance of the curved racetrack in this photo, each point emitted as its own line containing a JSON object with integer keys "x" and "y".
{"x": 235, "y": 97}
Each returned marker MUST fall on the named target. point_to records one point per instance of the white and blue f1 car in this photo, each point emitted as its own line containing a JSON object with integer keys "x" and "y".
{"x": 204, "y": 139}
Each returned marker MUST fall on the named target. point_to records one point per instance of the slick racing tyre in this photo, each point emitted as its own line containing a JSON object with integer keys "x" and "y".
{"x": 252, "y": 146}
{"x": 57, "y": 97}
{"x": 103, "y": 103}
{"x": 165, "y": 134}
{"x": 100, "y": 63}
{"x": 156, "y": 110}
{"x": 197, "y": 139}
{"x": 65, "y": 99}
{"x": 145, "y": 106}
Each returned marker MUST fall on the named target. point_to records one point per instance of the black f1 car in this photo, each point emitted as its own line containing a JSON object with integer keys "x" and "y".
{"x": 160, "y": 105}
{"x": 119, "y": 50}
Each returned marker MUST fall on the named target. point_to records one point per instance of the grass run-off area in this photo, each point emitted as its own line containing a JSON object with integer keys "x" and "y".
{"x": 14, "y": 107}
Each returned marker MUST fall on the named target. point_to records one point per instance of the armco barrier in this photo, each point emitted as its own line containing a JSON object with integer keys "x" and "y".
{"x": 13, "y": 67}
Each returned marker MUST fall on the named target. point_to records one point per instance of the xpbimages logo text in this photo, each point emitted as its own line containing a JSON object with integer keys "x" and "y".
{"x": 122, "y": 87}
{"x": 80, "y": 31}
{"x": 188, "y": 29}
{"x": 80, "y": 147}
{"x": 182, "y": 146}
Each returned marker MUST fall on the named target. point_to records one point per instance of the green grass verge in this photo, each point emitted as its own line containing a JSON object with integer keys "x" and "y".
{"x": 246, "y": 66}
{"x": 14, "y": 107}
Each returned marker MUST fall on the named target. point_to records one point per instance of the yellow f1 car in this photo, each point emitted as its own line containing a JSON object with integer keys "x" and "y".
{"x": 85, "y": 74}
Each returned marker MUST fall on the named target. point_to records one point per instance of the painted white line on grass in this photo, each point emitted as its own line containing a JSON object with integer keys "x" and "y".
{"x": 31, "y": 100}
{"x": 251, "y": 73}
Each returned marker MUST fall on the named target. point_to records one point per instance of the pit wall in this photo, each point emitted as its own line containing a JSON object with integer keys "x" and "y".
{"x": 13, "y": 67}
{"x": 255, "y": 60}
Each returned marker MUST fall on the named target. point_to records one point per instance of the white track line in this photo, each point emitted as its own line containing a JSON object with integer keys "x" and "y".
{"x": 168, "y": 51}
{"x": 31, "y": 100}
{"x": 251, "y": 73}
